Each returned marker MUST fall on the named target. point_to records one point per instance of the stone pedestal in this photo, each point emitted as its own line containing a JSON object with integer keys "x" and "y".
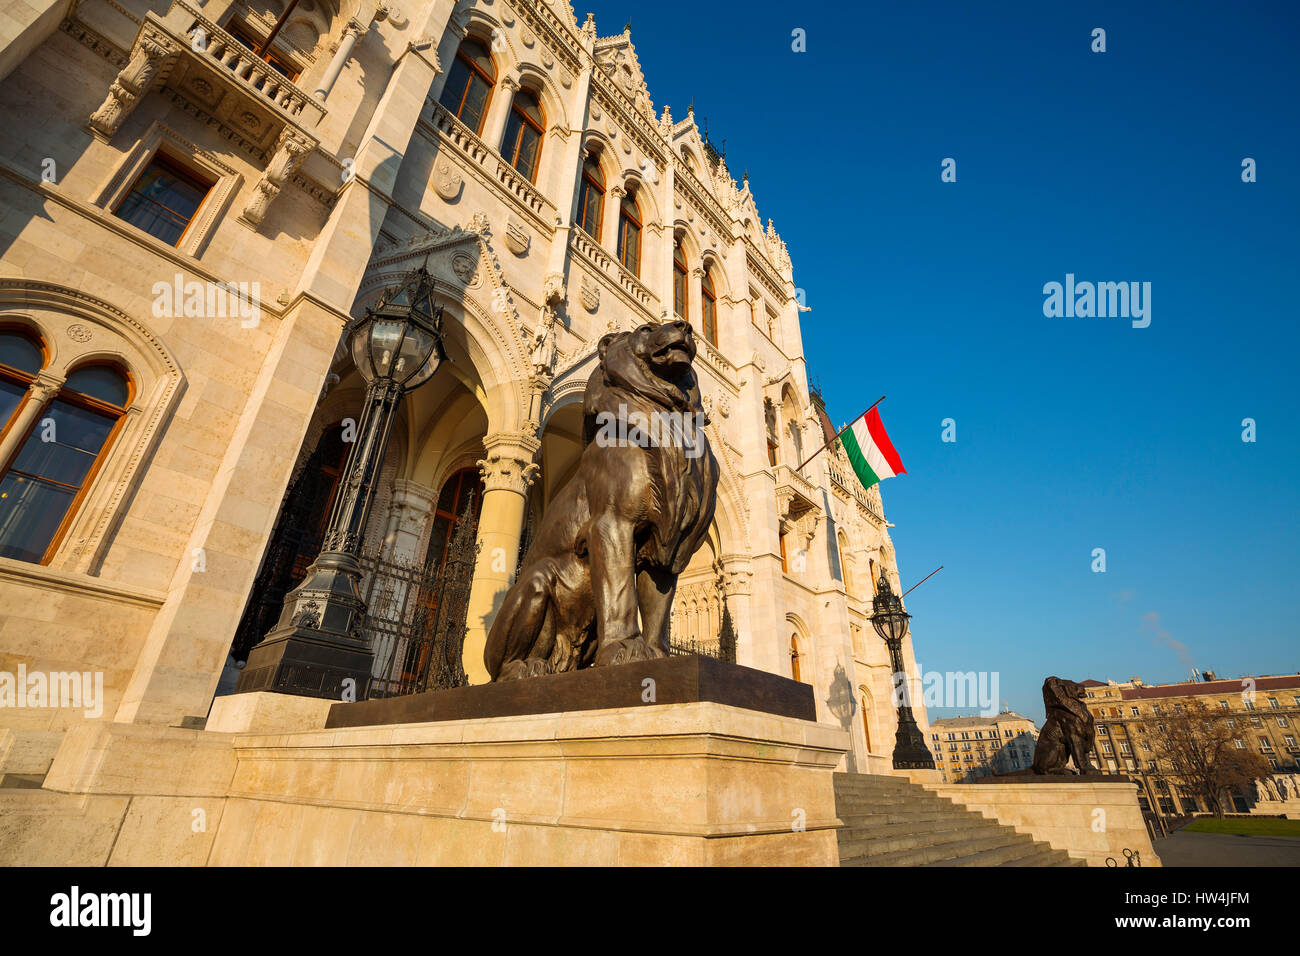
{"x": 683, "y": 785}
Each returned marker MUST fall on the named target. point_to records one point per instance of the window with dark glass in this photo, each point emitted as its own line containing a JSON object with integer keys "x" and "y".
{"x": 591, "y": 199}
{"x": 522, "y": 144}
{"x": 21, "y": 357}
{"x": 450, "y": 509}
{"x": 242, "y": 33}
{"x": 709, "y": 307}
{"x": 629, "y": 234}
{"x": 468, "y": 89}
{"x": 679, "y": 280}
{"x": 164, "y": 199}
{"x": 58, "y": 459}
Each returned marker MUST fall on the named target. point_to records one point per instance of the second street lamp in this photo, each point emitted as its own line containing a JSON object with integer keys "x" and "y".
{"x": 319, "y": 648}
{"x": 890, "y": 621}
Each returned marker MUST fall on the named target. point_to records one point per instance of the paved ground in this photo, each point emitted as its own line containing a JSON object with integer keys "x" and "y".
{"x": 1226, "y": 849}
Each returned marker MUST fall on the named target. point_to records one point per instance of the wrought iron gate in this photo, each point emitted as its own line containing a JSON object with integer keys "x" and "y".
{"x": 415, "y": 616}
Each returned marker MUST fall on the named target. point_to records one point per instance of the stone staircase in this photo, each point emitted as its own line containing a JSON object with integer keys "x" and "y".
{"x": 891, "y": 822}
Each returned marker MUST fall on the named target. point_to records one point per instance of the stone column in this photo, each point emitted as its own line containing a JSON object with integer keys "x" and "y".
{"x": 508, "y": 471}
{"x": 412, "y": 506}
{"x": 351, "y": 33}
{"x": 44, "y": 388}
{"x": 500, "y": 112}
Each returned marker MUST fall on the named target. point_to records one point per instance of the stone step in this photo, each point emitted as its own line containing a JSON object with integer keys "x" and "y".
{"x": 947, "y": 847}
{"x": 855, "y": 829}
{"x": 890, "y": 821}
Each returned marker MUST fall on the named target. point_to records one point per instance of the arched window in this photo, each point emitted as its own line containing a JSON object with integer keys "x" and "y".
{"x": 794, "y": 658}
{"x": 21, "y": 357}
{"x": 866, "y": 721}
{"x": 709, "y": 307}
{"x": 522, "y": 145}
{"x": 58, "y": 459}
{"x": 591, "y": 199}
{"x": 468, "y": 89}
{"x": 679, "y": 279}
{"x": 845, "y": 563}
{"x": 629, "y": 234}
{"x": 455, "y": 495}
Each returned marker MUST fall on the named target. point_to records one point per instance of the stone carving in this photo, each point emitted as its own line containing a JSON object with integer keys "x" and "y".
{"x": 544, "y": 353}
{"x": 1068, "y": 731}
{"x": 447, "y": 179}
{"x": 589, "y": 294}
{"x": 152, "y": 57}
{"x": 597, "y": 585}
{"x": 517, "y": 238}
{"x": 78, "y": 332}
{"x": 553, "y": 288}
{"x": 290, "y": 150}
{"x": 463, "y": 265}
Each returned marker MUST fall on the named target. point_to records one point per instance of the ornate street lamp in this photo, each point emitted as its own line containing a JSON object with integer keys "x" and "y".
{"x": 319, "y": 643}
{"x": 890, "y": 622}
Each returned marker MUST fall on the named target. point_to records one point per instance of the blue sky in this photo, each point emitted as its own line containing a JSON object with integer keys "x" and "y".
{"x": 1072, "y": 434}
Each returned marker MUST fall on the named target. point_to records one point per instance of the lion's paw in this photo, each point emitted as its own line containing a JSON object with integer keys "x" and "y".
{"x": 627, "y": 651}
{"x": 529, "y": 667}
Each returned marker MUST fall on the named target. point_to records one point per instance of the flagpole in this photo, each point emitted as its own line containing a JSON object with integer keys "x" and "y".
{"x": 839, "y": 433}
{"x": 922, "y": 581}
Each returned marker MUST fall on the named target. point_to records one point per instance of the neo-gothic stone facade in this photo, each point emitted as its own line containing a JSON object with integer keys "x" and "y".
{"x": 552, "y": 202}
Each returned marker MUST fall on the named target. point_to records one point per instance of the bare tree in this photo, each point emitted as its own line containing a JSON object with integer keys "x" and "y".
{"x": 1200, "y": 748}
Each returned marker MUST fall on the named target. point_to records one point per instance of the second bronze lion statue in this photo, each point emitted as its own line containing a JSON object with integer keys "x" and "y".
{"x": 597, "y": 584}
{"x": 1068, "y": 730}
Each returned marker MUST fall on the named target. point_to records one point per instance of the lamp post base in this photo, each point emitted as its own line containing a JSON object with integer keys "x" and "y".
{"x": 910, "y": 751}
{"x": 318, "y": 648}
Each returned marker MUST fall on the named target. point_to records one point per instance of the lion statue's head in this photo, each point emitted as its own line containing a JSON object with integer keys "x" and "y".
{"x": 652, "y": 363}
{"x": 1060, "y": 694}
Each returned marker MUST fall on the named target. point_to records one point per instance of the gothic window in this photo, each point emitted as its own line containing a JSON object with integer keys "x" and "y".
{"x": 709, "y": 307}
{"x": 866, "y": 725}
{"x": 164, "y": 199}
{"x": 468, "y": 89}
{"x": 59, "y": 456}
{"x": 456, "y": 492}
{"x": 629, "y": 234}
{"x": 845, "y": 563}
{"x": 795, "y": 670}
{"x": 522, "y": 145}
{"x": 591, "y": 199}
{"x": 679, "y": 280}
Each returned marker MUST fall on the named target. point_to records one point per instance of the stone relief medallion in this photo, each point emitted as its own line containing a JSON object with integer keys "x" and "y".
{"x": 517, "y": 238}
{"x": 527, "y": 37}
{"x": 79, "y": 333}
{"x": 566, "y": 80}
{"x": 589, "y": 294}
{"x": 447, "y": 180}
{"x": 462, "y": 264}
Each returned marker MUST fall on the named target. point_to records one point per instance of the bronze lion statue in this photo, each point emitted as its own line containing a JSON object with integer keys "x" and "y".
{"x": 1068, "y": 730}
{"x": 597, "y": 584}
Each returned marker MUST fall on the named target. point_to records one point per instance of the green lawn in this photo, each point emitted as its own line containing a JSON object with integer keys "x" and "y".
{"x": 1245, "y": 827}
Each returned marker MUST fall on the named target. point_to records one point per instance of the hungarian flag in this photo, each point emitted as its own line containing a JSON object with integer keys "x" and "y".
{"x": 870, "y": 451}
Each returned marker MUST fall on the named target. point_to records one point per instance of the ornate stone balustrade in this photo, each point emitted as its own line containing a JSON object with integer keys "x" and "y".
{"x": 257, "y": 78}
{"x": 467, "y": 142}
